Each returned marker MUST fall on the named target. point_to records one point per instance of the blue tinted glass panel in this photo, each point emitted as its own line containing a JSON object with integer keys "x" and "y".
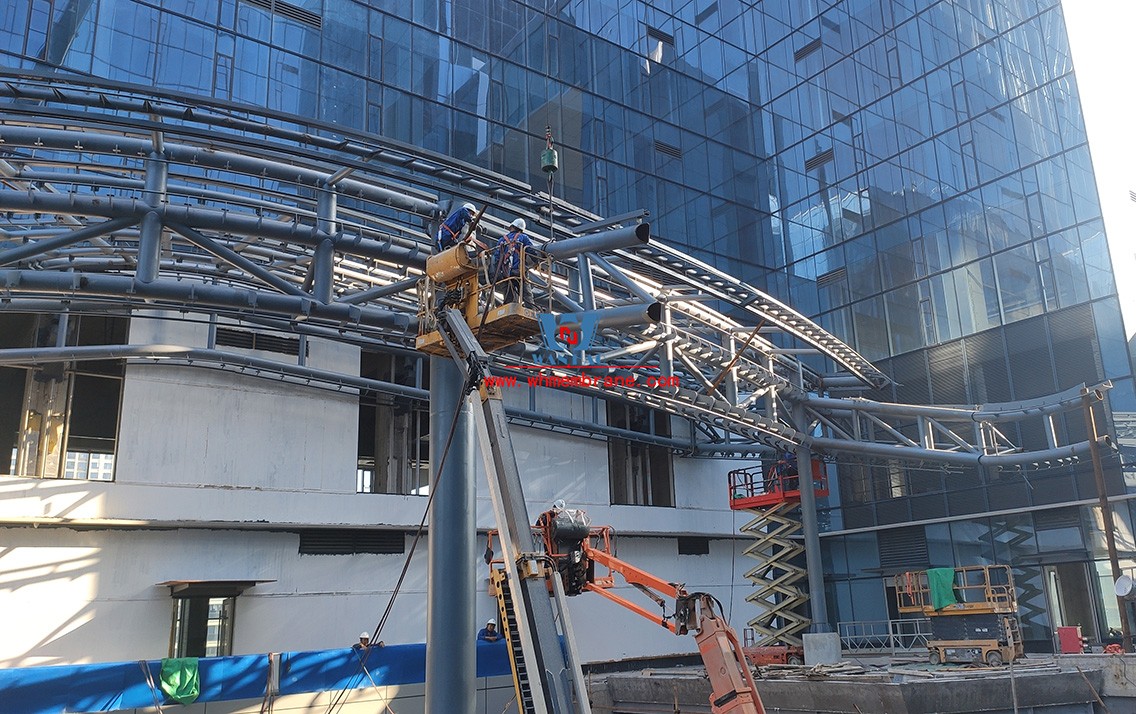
{"x": 185, "y": 55}
{"x": 1018, "y": 283}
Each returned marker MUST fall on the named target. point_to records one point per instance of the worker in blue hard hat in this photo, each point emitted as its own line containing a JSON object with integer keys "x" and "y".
{"x": 455, "y": 228}
{"x": 508, "y": 256}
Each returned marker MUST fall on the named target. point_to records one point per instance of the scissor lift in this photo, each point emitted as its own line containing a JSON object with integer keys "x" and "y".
{"x": 773, "y": 497}
{"x": 980, "y": 626}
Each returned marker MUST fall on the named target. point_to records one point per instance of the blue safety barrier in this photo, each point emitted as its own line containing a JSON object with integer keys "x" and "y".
{"x": 115, "y": 686}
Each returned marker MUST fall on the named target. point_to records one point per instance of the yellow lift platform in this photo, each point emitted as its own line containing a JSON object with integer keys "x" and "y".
{"x": 459, "y": 277}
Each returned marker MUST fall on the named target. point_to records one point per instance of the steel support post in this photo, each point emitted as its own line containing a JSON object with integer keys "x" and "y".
{"x": 323, "y": 264}
{"x": 150, "y": 235}
{"x": 666, "y": 356}
{"x": 451, "y": 654}
{"x": 1107, "y": 522}
{"x": 587, "y": 287}
{"x": 818, "y": 608}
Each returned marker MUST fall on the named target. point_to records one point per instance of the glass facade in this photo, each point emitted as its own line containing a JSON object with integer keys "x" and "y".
{"x": 914, "y": 175}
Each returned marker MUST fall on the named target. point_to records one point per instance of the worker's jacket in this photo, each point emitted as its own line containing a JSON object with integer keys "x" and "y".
{"x": 450, "y": 231}
{"x": 507, "y": 254}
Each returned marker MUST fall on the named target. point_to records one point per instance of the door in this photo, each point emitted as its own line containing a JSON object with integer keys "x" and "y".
{"x": 1072, "y": 598}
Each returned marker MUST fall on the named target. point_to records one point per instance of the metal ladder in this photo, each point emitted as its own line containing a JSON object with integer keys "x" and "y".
{"x": 521, "y": 683}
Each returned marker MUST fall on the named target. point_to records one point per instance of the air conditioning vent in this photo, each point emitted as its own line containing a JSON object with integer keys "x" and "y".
{"x": 807, "y": 50}
{"x": 1056, "y": 518}
{"x": 349, "y": 541}
{"x": 290, "y": 11}
{"x": 249, "y": 340}
{"x": 671, "y": 150}
{"x": 693, "y": 545}
{"x": 819, "y": 160}
{"x": 904, "y": 548}
{"x": 660, "y": 36}
{"x": 832, "y": 276}
{"x": 705, "y": 14}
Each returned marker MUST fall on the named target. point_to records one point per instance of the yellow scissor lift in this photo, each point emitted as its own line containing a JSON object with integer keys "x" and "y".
{"x": 980, "y": 626}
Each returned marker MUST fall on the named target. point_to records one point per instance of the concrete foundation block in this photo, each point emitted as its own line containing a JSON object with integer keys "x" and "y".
{"x": 822, "y": 648}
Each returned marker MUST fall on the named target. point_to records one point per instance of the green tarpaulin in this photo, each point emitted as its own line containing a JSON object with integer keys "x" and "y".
{"x": 941, "y": 582}
{"x": 180, "y": 680}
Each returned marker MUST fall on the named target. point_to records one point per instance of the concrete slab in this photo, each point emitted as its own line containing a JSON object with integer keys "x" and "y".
{"x": 822, "y": 648}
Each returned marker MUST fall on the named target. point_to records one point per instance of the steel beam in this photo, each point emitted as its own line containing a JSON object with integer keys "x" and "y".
{"x": 150, "y": 235}
{"x": 244, "y": 224}
{"x": 379, "y": 291}
{"x": 451, "y": 655}
{"x": 209, "y": 157}
{"x": 617, "y": 275}
{"x": 227, "y": 254}
{"x": 998, "y": 413}
{"x": 636, "y": 235}
{"x": 625, "y": 316}
{"x": 45, "y": 245}
{"x": 185, "y": 293}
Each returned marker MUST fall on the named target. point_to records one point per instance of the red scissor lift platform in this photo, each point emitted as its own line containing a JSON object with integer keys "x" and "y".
{"x": 773, "y": 496}
{"x": 752, "y": 488}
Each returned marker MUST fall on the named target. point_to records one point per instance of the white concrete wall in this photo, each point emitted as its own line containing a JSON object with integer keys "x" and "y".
{"x": 210, "y": 463}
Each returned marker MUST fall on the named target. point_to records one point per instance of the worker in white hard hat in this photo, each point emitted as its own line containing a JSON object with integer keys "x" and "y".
{"x": 364, "y": 641}
{"x": 489, "y": 632}
{"x": 456, "y": 227}
{"x": 508, "y": 260}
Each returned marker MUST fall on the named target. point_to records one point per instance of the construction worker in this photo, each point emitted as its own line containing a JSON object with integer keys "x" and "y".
{"x": 507, "y": 261}
{"x": 364, "y": 641}
{"x": 453, "y": 230}
{"x": 489, "y": 632}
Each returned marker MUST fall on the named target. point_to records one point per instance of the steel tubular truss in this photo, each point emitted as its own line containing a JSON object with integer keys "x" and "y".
{"x": 116, "y": 198}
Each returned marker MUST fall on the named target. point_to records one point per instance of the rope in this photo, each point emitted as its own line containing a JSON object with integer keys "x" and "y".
{"x": 337, "y": 701}
{"x": 150, "y": 682}
{"x": 268, "y": 703}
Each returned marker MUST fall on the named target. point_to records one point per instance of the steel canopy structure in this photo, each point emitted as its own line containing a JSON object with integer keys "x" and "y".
{"x": 118, "y": 198}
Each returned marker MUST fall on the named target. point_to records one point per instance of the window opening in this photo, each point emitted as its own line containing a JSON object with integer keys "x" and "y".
{"x": 60, "y": 419}
{"x": 640, "y": 474}
{"x": 203, "y": 626}
{"x": 394, "y": 432}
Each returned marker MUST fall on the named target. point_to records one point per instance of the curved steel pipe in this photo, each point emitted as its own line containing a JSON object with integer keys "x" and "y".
{"x": 66, "y": 140}
{"x": 990, "y": 413}
{"x": 193, "y": 293}
{"x": 197, "y": 217}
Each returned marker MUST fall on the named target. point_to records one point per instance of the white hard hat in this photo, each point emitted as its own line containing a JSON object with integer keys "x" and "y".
{"x": 364, "y": 635}
{"x": 519, "y": 224}
{"x": 469, "y": 207}
{"x": 491, "y": 622}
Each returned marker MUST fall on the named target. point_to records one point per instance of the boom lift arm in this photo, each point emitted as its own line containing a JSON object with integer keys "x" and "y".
{"x": 546, "y": 669}
{"x": 575, "y": 549}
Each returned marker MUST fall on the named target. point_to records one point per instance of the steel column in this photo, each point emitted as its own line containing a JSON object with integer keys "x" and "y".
{"x": 451, "y": 654}
{"x": 818, "y": 608}
{"x": 323, "y": 264}
{"x": 1107, "y": 522}
{"x": 150, "y": 236}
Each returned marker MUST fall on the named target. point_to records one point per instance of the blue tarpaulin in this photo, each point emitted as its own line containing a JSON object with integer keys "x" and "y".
{"x": 123, "y": 685}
